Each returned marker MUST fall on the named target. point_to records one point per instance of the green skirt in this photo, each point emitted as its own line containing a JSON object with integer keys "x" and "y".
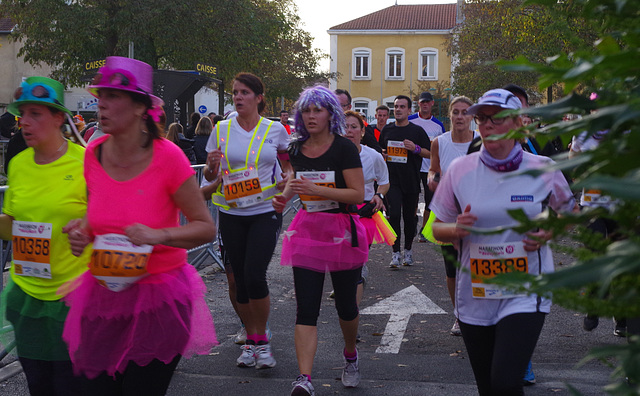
{"x": 37, "y": 324}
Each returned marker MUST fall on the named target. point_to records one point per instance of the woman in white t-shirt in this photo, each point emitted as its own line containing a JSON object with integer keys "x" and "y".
{"x": 500, "y": 328}
{"x": 246, "y": 150}
{"x": 375, "y": 171}
{"x": 444, "y": 149}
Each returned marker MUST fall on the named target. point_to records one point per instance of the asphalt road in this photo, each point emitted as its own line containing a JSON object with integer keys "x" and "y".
{"x": 428, "y": 361}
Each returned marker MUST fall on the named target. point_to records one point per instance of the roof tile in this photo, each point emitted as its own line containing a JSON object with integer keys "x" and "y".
{"x": 405, "y": 17}
{"x": 6, "y": 25}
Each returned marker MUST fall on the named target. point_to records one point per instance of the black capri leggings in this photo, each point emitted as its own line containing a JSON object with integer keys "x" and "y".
{"x": 402, "y": 205}
{"x": 308, "y": 285}
{"x": 499, "y": 354}
{"x": 249, "y": 242}
{"x": 450, "y": 255}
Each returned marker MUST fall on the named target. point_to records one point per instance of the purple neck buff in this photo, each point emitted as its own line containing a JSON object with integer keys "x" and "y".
{"x": 511, "y": 163}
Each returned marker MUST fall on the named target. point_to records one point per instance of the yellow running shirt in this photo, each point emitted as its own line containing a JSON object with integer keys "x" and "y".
{"x": 42, "y": 199}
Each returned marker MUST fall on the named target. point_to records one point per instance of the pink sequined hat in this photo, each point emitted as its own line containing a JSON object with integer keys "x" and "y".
{"x": 126, "y": 74}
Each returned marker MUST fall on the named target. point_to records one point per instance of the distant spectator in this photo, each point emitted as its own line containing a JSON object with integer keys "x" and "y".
{"x": 203, "y": 130}
{"x": 8, "y": 125}
{"x": 193, "y": 123}
{"x": 284, "y": 120}
{"x": 175, "y": 135}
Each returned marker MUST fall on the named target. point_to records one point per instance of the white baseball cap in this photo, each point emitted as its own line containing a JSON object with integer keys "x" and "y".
{"x": 496, "y": 97}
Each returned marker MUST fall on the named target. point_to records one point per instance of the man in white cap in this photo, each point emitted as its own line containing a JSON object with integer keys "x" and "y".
{"x": 433, "y": 128}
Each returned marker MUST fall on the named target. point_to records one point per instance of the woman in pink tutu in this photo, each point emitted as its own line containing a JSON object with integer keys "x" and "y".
{"x": 141, "y": 306}
{"x": 324, "y": 236}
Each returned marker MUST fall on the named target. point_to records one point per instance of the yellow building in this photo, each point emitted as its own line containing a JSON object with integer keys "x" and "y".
{"x": 387, "y": 53}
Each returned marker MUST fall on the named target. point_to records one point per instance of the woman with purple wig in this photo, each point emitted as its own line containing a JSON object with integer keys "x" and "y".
{"x": 324, "y": 236}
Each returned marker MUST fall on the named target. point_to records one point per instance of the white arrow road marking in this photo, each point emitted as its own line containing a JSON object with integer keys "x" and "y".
{"x": 400, "y": 306}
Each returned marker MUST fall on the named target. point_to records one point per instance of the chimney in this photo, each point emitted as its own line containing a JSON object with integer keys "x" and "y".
{"x": 459, "y": 12}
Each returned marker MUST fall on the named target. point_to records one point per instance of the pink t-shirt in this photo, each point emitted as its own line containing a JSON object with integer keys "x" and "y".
{"x": 145, "y": 199}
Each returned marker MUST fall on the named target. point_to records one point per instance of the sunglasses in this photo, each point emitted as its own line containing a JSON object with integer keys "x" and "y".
{"x": 482, "y": 119}
{"x": 37, "y": 91}
{"x": 30, "y": 92}
{"x": 115, "y": 79}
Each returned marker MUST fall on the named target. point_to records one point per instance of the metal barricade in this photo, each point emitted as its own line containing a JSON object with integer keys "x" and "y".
{"x": 208, "y": 249}
{"x": 5, "y": 254}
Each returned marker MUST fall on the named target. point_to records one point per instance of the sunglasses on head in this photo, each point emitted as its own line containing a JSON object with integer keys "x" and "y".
{"x": 117, "y": 79}
{"x": 37, "y": 91}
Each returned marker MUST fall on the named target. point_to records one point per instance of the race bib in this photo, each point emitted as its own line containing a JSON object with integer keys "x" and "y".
{"x": 32, "y": 248}
{"x": 313, "y": 203}
{"x": 242, "y": 188}
{"x": 595, "y": 197}
{"x": 489, "y": 260}
{"x": 396, "y": 152}
{"x": 117, "y": 263}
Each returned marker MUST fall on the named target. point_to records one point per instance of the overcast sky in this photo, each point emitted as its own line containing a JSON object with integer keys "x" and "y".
{"x": 317, "y": 17}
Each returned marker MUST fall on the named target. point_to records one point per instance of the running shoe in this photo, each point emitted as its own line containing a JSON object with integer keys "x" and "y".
{"x": 364, "y": 273}
{"x": 247, "y": 357}
{"x": 395, "y": 260}
{"x": 590, "y": 322}
{"x": 408, "y": 258}
{"x": 529, "y": 377}
{"x": 302, "y": 387}
{"x": 351, "y": 374}
{"x": 241, "y": 336}
{"x": 332, "y": 294}
{"x": 268, "y": 332}
{"x": 620, "y": 329}
{"x": 421, "y": 237}
{"x": 264, "y": 357}
{"x": 455, "y": 330}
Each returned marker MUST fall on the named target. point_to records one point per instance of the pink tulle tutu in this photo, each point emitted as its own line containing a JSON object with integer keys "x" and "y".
{"x": 161, "y": 316}
{"x": 322, "y": 242}
{"x": 373, "y": 233}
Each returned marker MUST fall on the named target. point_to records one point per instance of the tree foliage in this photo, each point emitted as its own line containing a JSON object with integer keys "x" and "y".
{"x": 606, "y": 278}
{"x": 259, "y": 36}
{"x": 505, "y": 29}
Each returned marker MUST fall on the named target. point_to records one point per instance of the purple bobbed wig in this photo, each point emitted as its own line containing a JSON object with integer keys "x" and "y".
{"x": 320, "y": 97}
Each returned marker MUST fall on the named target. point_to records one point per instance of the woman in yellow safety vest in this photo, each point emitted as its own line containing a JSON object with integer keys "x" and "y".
{"x": 246, "y": 149}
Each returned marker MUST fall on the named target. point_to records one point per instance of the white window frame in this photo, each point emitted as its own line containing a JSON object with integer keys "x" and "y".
{"x": 361, "y": 106}
{"x": 394, "y": 51}
{"x": 421, "y": 65}
{"x": 365, "y": 53}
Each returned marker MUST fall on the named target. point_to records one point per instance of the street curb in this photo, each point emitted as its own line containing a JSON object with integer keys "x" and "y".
{"x": 10, "y": 370}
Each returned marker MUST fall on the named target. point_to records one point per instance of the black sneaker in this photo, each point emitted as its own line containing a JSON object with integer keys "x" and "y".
{"x": 590, "y": 322}
{"x": 620, "y": 329}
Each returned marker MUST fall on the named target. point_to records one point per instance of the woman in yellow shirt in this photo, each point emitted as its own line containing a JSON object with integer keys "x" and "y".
{"x": 47, "y": 189}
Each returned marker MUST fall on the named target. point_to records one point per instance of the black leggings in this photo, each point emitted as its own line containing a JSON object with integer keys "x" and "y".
{"x": 405, "y": 206}
{"x": 450, "y": 255}
{"x": 308, "y": 285}
{"x": 499, "y": 354}
{"x": 249, "y": 242}
{"x": 51, "y": 378}
{"x": 152, "y": 379}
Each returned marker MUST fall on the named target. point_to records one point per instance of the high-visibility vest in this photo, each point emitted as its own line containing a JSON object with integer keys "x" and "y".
{"x": 268, "y": 191}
